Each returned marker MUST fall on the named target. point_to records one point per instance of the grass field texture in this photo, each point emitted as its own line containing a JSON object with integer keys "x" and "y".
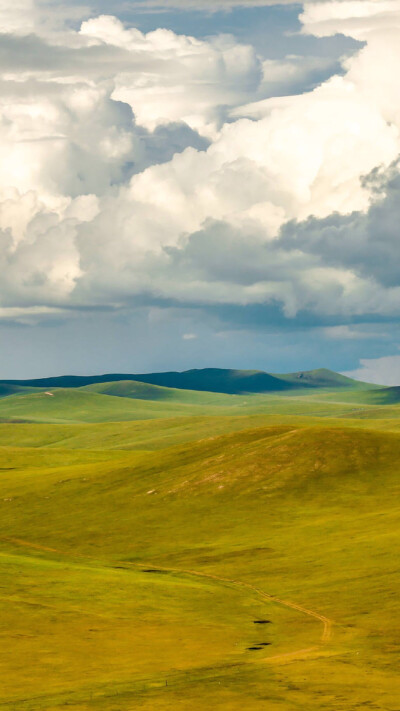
{"x": 198, "y": 551}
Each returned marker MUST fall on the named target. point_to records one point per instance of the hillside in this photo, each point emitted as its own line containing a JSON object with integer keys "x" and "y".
{"x": 219, "y": 380}
{"x": 210, "y": 380}
{"x": 166, "y": 548}
{"x": 324, "y": 378}
{"x": 7, "y": 390}
{"x": 134, "y": 579}
{"x": 124, "y": 401}
{"x": 146, "y": 391}
{"x": 80, "y": 405}
{"x": 384, "y": 396}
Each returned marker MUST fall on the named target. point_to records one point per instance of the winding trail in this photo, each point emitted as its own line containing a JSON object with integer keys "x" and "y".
{"x": 327, "y": 623}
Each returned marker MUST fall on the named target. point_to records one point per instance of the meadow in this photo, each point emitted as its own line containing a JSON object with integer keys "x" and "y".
{"x": 172, "y": 549}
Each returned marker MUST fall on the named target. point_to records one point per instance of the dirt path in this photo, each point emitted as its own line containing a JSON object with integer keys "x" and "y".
{"x": 35, "y": 546}
{"x": 327, "y": 623}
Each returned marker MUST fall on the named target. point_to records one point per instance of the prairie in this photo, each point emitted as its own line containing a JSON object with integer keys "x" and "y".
{"x": 240, "y": 557}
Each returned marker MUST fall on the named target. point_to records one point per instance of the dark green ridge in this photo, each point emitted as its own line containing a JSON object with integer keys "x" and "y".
{"x": 384, "y": 396}
{"x": 217, "y": 380}
{"x": 7, "y": 389}
{"x": 324, "y": 378}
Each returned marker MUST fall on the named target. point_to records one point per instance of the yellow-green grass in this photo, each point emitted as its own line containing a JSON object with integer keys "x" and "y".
{"x": 84, "y": 405}
{"x": 80, "y": 405}
{"x": 145, "y": 391}
{"x": 154, "y": 434}
{"x": 223, "y": 507}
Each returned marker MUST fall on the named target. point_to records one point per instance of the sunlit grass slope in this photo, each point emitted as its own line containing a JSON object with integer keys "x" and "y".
{"x": 382, "y": 396}
{"x": 138, "y": 557}
{"x": 82, "y": 405}
{"x": 127, "y": 401}
{"x": 146, "y": 391}
{"x": 153, "y": 435}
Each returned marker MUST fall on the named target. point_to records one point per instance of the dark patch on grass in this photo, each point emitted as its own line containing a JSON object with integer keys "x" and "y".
{"x": 262, "y": 622}
{"x": 251, "y": 649}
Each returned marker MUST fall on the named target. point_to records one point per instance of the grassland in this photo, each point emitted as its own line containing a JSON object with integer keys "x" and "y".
{"x": 139, "y": 554}
{"x": 126, "y": 401}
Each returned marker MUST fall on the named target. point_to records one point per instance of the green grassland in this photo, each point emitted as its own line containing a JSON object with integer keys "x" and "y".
{"x": 127, "y": 401}
{"x": 145, "y": 535}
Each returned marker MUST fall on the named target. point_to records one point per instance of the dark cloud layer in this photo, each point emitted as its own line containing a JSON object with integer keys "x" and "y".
{"x": 366, "y": 243}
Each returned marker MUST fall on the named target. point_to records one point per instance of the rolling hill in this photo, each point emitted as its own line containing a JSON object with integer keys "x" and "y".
{"x": 129, "y": 401}
{"x": 253, "y": 569}
{"x": 6, "y": 390}
{"x": 146, "y": 391}
{"x": 384, "y": 396}
{"x": 82, "y": 405}
{"x": 326, "y": 379}
{"x": 166, "y": 548}
{"x": 211, "y": 380}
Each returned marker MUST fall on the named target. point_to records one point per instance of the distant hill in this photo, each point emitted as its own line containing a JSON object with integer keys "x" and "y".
{"x": 7, "y": 389}
{"x": 230, "y": 382}
{"x": 236, "y": 382}
{"x": 81, "y": 405}
{"x": 119, "y": 401}
{"x": 145, "y": 391}
{"x": 324, "y": 378}
{"x": 383, "y": 396}
{"x": 135, "y": 390}
{"x": 217, "y": 380}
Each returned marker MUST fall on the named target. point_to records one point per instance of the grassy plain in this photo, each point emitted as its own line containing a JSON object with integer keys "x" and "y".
{"x": 127, "y": 401}
{"x": 138, "y": 556}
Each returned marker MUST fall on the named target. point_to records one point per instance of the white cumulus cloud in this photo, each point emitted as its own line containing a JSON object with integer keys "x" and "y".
{"x": 156, "y": 167}
{"x": 382, "y": 371}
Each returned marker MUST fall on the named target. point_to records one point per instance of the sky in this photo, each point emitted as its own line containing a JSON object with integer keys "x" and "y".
{"x": 200, "y": 183}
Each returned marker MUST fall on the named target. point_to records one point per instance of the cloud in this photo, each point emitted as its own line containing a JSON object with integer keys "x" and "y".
{"x": 214, "y": 5}
{"x": 155, "y": 168}
{"x": 22, "y": 17}
{"x": 367, "y": 244}
{"x": 209, "y": 5}
{"x": 347, "y": 333}
{"x": 383, "y": 371}
{"x": 186, "y": 79}
{"x": 360, "y": 19}
{"x": 18, "y": 16}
